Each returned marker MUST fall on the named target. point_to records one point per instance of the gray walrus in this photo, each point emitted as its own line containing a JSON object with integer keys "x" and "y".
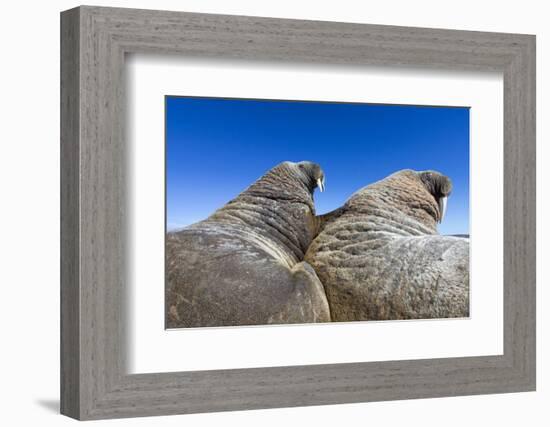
{"x": 380, "y": 257}
{"x": 243, "y": 265}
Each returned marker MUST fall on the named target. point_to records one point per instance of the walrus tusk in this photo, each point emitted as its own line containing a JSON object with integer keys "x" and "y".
{"x": 321, "y": 184}
{"x": 442, "y": 208}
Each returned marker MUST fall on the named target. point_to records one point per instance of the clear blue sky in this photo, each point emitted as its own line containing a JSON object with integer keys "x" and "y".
{"x": 215, "y": 148}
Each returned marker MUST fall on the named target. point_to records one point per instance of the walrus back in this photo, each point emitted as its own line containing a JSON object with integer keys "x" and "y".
{"x": 387, "y": 278}
{"x": 222, "y": 275}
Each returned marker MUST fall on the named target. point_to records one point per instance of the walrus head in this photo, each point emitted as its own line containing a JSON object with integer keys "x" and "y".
{"x": 411, "y": 195}
{"x": 312, "y": 175}
{"x": 439, "y": 186}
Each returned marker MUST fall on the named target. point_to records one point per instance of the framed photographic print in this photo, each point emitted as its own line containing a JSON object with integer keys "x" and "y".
{"x": 261, "y": 213}
{"x": 269, "y": 256}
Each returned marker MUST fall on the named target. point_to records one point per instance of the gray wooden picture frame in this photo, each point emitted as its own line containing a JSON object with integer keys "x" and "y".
{"x": 94, "y": 382}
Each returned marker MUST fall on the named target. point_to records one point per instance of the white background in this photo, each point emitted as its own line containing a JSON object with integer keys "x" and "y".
{"x": 152, "y": 349}
{"x": 29, "y": 176}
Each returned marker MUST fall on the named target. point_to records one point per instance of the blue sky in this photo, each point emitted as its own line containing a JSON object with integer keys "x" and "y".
{"x": 217, "y": 147}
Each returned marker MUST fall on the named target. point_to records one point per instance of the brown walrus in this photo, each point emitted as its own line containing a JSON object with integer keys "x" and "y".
{"x": 243, "y": 265}
{"x": 380, "y": 256}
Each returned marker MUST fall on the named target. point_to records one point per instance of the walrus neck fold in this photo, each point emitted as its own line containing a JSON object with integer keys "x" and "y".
{"x": 278, "y": 206}
{"x": 401, "y": 197}
{"x": 284, "y": 183}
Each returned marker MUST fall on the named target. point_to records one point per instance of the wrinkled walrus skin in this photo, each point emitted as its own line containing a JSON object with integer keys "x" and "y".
{"x": 243, "y": 265}
{"x": 380, "y": 257}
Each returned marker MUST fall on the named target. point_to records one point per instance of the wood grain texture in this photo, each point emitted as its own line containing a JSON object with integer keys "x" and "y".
{"x": 94, "y": 380}
{"x": 70, "y": 292}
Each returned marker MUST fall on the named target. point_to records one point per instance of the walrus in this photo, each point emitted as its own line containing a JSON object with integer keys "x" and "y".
{"x": 243, "y": 265}
{"x": 380, "y": 257}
